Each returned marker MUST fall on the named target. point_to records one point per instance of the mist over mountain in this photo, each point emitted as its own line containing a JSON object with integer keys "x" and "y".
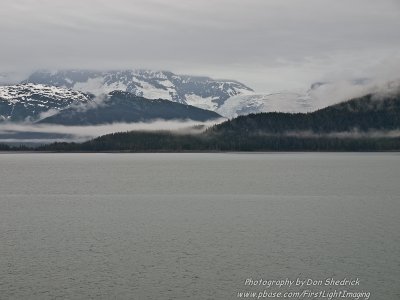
{"x": 319, "y": 95}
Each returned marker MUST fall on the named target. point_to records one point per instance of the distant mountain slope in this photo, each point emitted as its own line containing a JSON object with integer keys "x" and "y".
{"x": 126, "y": 107}
{"x": 28, "y": 101}
{"x": 202, "y": 92}
{"x": 363, "y": 114}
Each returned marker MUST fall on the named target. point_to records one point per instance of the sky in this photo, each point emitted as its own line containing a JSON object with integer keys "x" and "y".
{"x": 270, "y": 45}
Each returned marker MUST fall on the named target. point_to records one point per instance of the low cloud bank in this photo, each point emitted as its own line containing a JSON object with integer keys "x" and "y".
{"x": 355, "y": 133}
{"x": 9, "y": 132}
{"x": 330, "y": 93}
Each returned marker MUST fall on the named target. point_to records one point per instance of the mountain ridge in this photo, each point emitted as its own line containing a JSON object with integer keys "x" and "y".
{"x": 124, "y": 107}
{"x": 200, "y": 91}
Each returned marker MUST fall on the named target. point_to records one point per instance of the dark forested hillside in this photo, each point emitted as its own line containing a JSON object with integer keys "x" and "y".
{"x": 363, "y": 114}
{"x": 168, "y": 142}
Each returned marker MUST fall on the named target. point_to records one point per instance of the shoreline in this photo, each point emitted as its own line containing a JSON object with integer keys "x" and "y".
{"x": 193, "y": 152}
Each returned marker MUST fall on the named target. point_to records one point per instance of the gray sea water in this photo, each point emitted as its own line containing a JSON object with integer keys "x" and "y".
{"x": 196, "y": 226}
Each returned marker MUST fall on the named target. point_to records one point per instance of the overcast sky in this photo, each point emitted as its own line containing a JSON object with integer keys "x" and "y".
{"x": 269, "y": 45}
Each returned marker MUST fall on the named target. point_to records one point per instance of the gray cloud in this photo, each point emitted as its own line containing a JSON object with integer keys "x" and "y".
{"x": 269, "y": 45}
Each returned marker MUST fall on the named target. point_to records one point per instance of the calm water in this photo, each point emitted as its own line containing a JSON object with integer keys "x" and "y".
{"x": 195, "y": 226}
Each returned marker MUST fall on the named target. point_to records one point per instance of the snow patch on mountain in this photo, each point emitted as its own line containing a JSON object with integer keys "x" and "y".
{"x": 149, "y": 91}
{"x": 204, "y": 103}
{"x": 22, "y": 101}
{"x": 96, "y": 86}
{"x": 25, "y": 91}
{"x": 277, "y": 102}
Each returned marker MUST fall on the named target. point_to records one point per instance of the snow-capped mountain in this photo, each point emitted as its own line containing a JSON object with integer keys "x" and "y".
{"x": 203, "y": 92}
{"x": 31, "y": 101}
{"x": 49, "y": 104}
{"x": 227, "y": 98}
